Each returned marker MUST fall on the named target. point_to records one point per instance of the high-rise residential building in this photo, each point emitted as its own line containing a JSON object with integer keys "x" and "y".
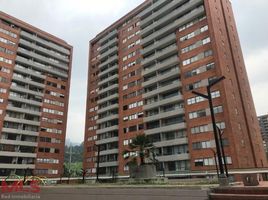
{"x": 142, "y": 70}
{"x": 263, "y": 120}
{"x": 35, "y": 69}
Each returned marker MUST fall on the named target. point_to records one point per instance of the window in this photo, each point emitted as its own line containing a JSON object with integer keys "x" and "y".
{"x": 195, "y": 100}
{"x": 221, "y": 125}
{"x": 218, "y": 109}
{"x": 3, "y": 90}
{"x": 204, "y": 28}
{"x": 200, "y": 129}
{"x": 197, "y": 114}
{"x": 206, "y": 40}
{"x": 5, "y": 60}
{"x": 202, "y": 145}
{"x": 215, "y": 94}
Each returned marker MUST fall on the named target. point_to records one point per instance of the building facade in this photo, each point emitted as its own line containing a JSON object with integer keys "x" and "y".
{"x": 35, "y": 69}
{"x": 142, "y": 70}
{"x": 263, "y": 120}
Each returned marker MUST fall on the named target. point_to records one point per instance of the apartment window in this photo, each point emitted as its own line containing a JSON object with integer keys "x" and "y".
{"x": 202, "y": 145}
{"x": 206, "y": 40}
{"x": 4, "y": 69}
{"x": 204, "y": 28}
{"x": 200, "y": 129}
{"x": 3, "y": 90}
{"x": 221, "y": 125}
{"x": 8, "y": 33}
{"x": 215, "y": 94}
{"x": 197, "y": 114}
{"x": 195, "y": 100}
{"x": 193, "y": 85}
{"x": 1, "y": 100}
{"x": 204, "y": 162}
{"x": 218, "y": 109}
{"x": 5, "y": 60}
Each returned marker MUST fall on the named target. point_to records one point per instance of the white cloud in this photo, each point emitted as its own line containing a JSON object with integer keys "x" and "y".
{"x": 257, "y": 71}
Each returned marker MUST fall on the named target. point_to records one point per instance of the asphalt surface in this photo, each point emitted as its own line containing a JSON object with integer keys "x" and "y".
{"x": 99, "y": 193}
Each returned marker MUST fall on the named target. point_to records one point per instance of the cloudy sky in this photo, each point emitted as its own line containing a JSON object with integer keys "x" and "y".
{"x": 78, "y": 21}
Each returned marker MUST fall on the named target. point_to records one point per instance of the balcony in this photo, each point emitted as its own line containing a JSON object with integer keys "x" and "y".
{"x": 162, "y": 77}
{"x": 25, "y": 90}
{"x": 107, "y": 140}
{"x": 172, "y": 27}
{"x": 111, "y": 87}
{"x": 43, "y": 50}
{"x": 31, "y": 102}
{"x": 110, "y": 60}
{"x": 108, "y": 98}
{"x": 107, "y": 37}
{"x": 17, "y": 154}
{"x": 23, "y": 110}
{"x": 108, "y": 118}
{"x": 110, "y": 44}
{"x": 161, "y": 65}
{"x": 161, "y": 12}
{"x": 16, "y": 166}
{"x": 154, "y": 6}
{"x": 108, "y": 164}
{"x": 110, "y": 78}
{"x": 161, "y": 89}
{"x": 18, "y": 142}
{"x": 19, "y": 131}
{"x": 22, "y": 121}
{"x": 109, "y": 52}
{"x": 42, "y": 58}
{"x": 171, "y": 17}
{"x": 110, "y": 107}
{"x": 42, "y": 68}
{"x": 160, "y": 55}
{"x": 30, "y": 72}
{"x": 107, "y": 152}
{"x": 108, "y": 129}
{"x": 173, "y": 142}
{"x": 163, "y": 115}
{"x": 162, "y": 102}
{"x": 44, "y": 42}
{"x": 110, "y": 69}
{"x": 173, "y": 127}
{"x": 176, "y": 157}
{"x": 159, "y": 44}
{"x": 28, "y": 81}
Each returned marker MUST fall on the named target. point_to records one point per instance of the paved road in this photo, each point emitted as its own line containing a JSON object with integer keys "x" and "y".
{"x": 104, "y": 193}
{"x": 122, "y": 194}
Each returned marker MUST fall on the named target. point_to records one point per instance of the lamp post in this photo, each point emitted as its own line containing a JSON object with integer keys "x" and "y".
{"x": 215, "y": 158}
{"x": 98, "y": 162}
{"x": 222, "y": 177}
{"x": 223, "y": 152}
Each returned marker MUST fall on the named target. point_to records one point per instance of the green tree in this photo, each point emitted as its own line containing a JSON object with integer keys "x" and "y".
{"x": 141, "y": 147}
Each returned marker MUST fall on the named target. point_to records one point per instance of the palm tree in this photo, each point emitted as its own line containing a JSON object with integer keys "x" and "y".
{"x": 141, "y": 147}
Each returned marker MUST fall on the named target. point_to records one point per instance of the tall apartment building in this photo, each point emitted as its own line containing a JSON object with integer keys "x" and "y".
{"x": 263, "y": 121}
{"x": 35, "y": 74}
{"x": 142, "y": 70}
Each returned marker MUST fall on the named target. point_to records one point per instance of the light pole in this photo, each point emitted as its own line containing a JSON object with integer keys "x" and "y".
{"x": 98, "y": 162}
{"x": 215, "y": 158}
{"x": 222, "y": 149}
{"x": 222, "y": 177}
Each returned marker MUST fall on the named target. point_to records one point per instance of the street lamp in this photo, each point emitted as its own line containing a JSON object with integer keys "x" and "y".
{"x": 215, "y": 158}
{"x": 98, "y": 162}
{"x": 222, "y": 149}
{"x": 222, "y": 177}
